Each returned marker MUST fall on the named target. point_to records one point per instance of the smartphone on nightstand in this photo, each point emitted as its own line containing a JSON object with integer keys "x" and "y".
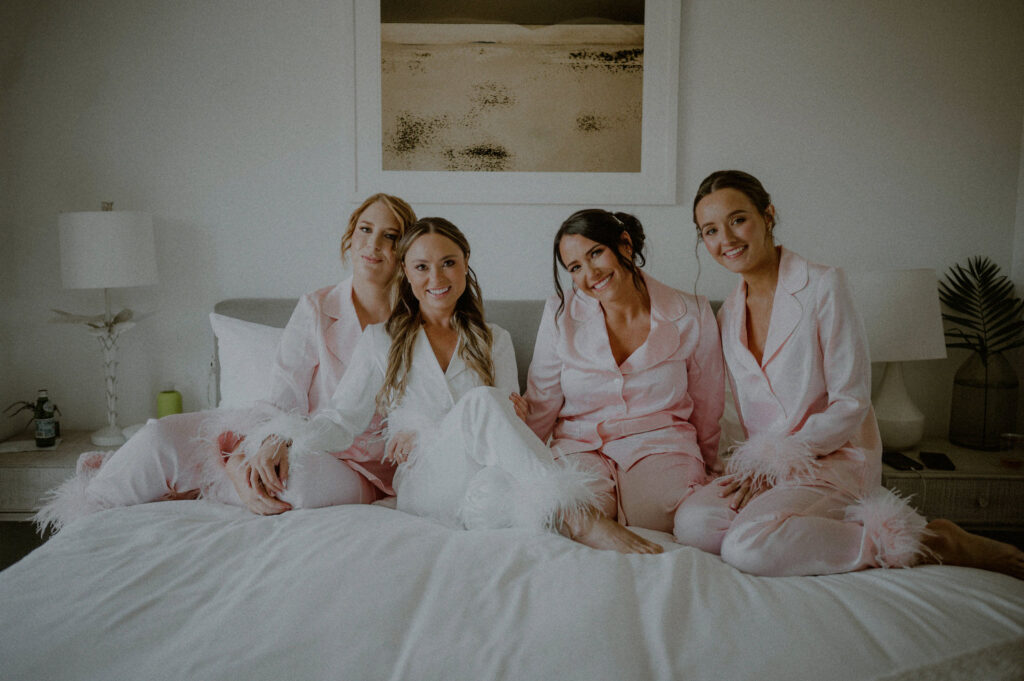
{"x": 899, "y": 461}
{"x": 936, "y": 461}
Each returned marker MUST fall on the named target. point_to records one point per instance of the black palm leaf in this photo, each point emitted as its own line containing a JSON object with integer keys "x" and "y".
{"x": 986, "y": 315}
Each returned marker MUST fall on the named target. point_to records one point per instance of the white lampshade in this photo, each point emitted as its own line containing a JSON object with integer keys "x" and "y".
{"x": 901, "y": 314}
{"x": 903, "y": 322}
{"x": 106, "y": 249}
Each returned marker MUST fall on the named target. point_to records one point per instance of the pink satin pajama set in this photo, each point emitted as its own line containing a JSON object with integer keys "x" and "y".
{"x": 806, "y": 410}
{"x": 648, "y": 426}
{"x": 183, "y": 452}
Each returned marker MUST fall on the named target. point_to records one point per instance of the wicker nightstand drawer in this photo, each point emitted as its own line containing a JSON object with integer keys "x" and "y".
{"x": 976, "y": 501}
{"x": 980, "y": 494}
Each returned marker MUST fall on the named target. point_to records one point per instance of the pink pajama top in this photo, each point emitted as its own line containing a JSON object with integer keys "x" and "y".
{"x": 315, "y": 350}
{"x": 665, "y": 397}
{"x": 813, "y": 385}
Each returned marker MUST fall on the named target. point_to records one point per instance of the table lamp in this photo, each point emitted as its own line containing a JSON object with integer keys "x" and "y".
{"x": 903, "y": 322}
{"x": 106, "y": 249}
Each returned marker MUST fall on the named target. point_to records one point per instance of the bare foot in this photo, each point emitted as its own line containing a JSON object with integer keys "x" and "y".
{"x": 598, "y": 531}
{"x": 955, "y": 546}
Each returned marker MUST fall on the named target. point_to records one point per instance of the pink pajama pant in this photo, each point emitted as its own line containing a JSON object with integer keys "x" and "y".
{"x": 787, "y": 530}
{"x": 647, "y": 493}
{"x": 171, "y": 457}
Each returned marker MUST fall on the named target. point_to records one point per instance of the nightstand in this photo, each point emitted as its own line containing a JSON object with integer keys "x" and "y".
{"x": 25, "y": 476}
{"x": 981, "y": 495}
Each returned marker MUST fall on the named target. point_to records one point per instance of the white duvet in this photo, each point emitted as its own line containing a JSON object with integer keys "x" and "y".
{"x": 195, "y": 590}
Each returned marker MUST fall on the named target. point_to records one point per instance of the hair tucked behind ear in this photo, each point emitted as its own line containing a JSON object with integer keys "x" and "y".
{"x": 403, "y": 325}
{"x": 606, "y": 229}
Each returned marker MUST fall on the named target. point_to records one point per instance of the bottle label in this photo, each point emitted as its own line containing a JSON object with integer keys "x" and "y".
{"x": 46, "y": 429}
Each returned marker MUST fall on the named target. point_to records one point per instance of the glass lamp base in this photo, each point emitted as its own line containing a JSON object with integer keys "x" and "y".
{"x": 108, "y": 437}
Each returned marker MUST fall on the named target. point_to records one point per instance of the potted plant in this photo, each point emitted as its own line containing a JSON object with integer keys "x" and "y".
{"x": 985, "y": 318}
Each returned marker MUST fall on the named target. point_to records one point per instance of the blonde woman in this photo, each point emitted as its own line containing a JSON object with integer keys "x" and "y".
{"x": 444, "y": 379}
{"x": 174, "y": 458}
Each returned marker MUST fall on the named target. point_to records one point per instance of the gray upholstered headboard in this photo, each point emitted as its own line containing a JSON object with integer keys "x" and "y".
{"x": 519, "y": 317}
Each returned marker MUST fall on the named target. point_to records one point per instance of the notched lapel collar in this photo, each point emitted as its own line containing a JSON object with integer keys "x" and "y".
{"x": 668, "y": 306}
{"x": 589, "y": 333}
{"x": 786, "y": 308}
{"x": 337, "y": 305}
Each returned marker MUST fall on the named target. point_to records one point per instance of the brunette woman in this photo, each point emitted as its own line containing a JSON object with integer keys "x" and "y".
{"x": 803, "y": 493}
{"x": 627, "y": 377}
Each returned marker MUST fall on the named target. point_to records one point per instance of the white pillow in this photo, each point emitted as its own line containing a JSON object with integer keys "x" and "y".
{"x": 245, "y": 354}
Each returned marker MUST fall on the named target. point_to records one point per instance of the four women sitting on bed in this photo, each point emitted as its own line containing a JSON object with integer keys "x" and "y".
{"x": 179, "y": 456}
{"x": 626, "y": 385}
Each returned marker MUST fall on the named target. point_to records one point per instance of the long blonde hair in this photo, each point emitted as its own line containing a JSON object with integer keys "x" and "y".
{"x": 475, "y": 336}
{"x": 402, "y": 211}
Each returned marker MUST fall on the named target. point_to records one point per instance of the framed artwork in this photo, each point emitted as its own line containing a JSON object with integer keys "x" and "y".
{"x": 572, "y": 102}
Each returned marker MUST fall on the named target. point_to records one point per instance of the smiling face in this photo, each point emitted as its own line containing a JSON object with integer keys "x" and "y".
{"x": 372, "y": 248}
{"x": 436, "y": 269}
{"x": 594, "y": 267}
{"x": 735, "y": 233}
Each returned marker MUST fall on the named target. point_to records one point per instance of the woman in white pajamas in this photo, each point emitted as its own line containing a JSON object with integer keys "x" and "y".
{"x": 444, "y": 379}
{"x": 803, "y": 494}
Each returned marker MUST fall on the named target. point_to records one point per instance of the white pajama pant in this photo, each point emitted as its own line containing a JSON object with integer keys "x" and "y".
{"x": 482, "y": 467}
{"x": 802, "y": 530}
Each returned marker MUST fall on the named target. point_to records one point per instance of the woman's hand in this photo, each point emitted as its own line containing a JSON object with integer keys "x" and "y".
{"x": 400, "y": 446}
{"x": 270, "y": 466}
{"x": 256, "y": 499}
{"x": 522, "y": 407}
{"x": 741, "y": 489}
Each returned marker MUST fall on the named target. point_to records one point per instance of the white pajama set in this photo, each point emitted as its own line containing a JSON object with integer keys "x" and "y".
{"x": 474, "y": 464}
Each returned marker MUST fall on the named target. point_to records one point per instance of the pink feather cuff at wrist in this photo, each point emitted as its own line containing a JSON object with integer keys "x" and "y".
{"x": 770, "y": 458}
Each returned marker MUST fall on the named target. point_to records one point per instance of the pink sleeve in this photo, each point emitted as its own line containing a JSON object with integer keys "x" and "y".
{"x": 846, "y": 367}
{"x": 297, "y": 359}
{"x": 544, "y": 380}
{"x": 706, "y": 385}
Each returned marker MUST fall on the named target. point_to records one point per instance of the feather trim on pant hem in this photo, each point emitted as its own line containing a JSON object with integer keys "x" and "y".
{"x": 70, "y": 500}
{"x": 497, "y": 498}
{"x": 892, "y": 526}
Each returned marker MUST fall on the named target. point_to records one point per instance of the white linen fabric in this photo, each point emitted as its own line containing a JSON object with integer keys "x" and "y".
{"x": 196, "y": 590}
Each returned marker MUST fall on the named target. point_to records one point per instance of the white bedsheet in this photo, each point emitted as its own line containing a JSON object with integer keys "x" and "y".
{"x": 195, "y": 590}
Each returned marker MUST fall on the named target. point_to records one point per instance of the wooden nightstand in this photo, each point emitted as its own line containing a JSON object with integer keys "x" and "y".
{"x": 980, "y": 495}
{"x": 25, "y": 476}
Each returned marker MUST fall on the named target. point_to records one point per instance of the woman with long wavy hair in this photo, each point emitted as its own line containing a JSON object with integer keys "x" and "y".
{"x": 444, "y": 378}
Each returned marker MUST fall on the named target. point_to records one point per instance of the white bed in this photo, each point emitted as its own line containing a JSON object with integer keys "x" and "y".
{"x": 195, "y": 590}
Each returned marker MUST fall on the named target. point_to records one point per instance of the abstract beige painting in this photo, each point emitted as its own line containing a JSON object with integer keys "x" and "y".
{"x": 512, "y": 86}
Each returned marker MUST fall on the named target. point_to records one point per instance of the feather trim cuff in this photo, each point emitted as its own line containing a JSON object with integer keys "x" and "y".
{"x": 770, "y": 458}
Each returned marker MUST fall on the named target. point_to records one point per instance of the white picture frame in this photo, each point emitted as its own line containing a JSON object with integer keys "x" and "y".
{"x": 655, "y": 183}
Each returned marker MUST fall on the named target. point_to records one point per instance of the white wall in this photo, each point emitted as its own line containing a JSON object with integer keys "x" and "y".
{"x": 888, "y": 133}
